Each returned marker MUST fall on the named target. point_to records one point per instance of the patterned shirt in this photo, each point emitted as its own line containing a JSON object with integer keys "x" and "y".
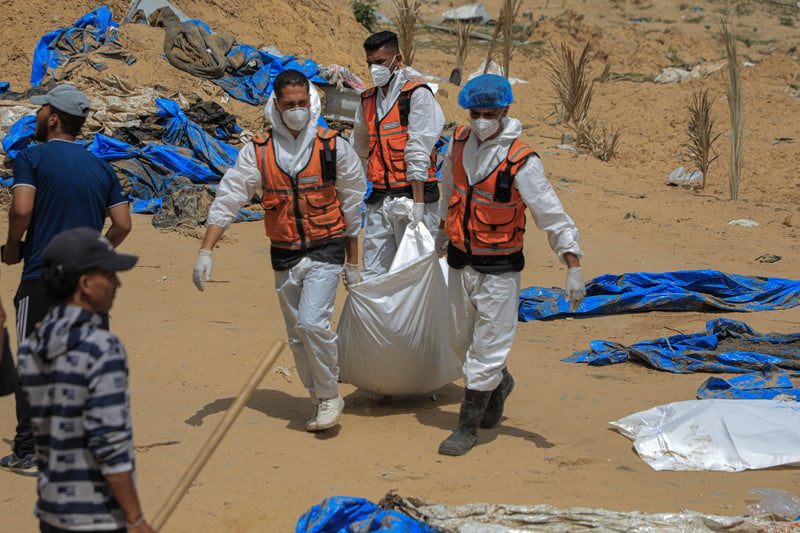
{"x": 75, "y": 376}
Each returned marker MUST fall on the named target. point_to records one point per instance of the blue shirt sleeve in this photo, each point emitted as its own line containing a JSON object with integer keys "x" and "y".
{"x": 24, "y": 171}
{"x": 115, "y": 195}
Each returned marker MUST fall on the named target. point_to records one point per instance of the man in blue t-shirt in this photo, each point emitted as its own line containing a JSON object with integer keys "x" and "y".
{"x": 58, "y": 185}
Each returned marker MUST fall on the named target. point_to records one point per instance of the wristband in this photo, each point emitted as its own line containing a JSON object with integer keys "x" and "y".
{"x": 136, "y": 524}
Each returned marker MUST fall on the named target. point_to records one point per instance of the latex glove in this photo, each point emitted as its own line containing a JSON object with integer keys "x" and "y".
{"x": 351, "y": 275}
{"x": 416, "y": 214}
{"x": 575, "y": 288}
{"x": 441, "y": 243}
{"x": 202, "y": 268}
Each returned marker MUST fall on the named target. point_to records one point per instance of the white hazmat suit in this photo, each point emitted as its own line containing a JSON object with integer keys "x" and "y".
{"x": 382, "y": 230}
{"x": 307, "y": 290}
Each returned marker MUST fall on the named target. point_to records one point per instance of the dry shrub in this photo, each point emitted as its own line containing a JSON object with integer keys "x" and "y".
{"x": 407, "y": 18}
{"x": 596, "y": 138}
{"x": 733, "y": 89}
{"x": 463, "y": 31}
{"x": 571, "y": 81}
{"x": 505, "y": 26}
{"x": 700, "y": 134}
{"x": 570, "y": 78}
{"x": 508, "y": 15}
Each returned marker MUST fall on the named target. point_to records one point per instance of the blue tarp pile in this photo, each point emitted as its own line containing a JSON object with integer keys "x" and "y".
{"x": 252, "y": 82}
{"x": 688, "y": 290}
{"x": 342, "y": 514}
{"x": 187, "y": 151}
{"x": 95, "y": 31}
{"x": 725, "y": 346}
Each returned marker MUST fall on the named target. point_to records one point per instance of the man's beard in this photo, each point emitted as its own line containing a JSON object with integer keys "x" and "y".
{"x": 40, "y": 134}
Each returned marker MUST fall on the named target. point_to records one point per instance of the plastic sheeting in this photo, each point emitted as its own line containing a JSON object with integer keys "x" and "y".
{"x": 90, "y": 32}
{"x": 252, "y": 82}
{"x": 719, "y": 435}
{"x": 19, "y": 135}
{"x": 180, "y": 131}
{"x": 501, "y": 518}
{"x": 766, "y": 385}
{"x": 724, "y": 346}
{"x": 393, "y": 330}
{"x": 342, "y": 514}
{"x": 688, "y": 290}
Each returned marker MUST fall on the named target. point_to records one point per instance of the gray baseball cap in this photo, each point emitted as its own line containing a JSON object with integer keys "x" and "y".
{"x": 66, "y": 98}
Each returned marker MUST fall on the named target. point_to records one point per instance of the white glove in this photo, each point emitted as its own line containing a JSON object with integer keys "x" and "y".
{"x": 416, "y": 214}
{"x": 576, "y": 289}
{"x": 441, "y": 243}
{"x": 351, "y": 275}
{"x": 202, "y": 268}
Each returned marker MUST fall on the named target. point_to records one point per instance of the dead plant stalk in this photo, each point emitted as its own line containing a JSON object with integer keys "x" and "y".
{"x": 407, "y": 17}
{"x": 734, "y": 92}
{"x": 700, "y": 134}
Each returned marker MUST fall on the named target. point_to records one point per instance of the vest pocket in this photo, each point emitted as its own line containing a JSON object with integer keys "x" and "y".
{"x": 322, "y": 207}
{"x": 397, "y": 151}
{"x": 494, "y": 225}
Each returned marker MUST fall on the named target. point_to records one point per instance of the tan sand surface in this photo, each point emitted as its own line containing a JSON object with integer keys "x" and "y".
{"x": 190, "y": 352}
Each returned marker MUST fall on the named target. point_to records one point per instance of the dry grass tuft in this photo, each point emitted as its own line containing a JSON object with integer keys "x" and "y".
{"x": 596, "y": 138}
{"x": 570, "y": 78}
{"x": 700, "y": 134}
{"x": 508, "y": 16}
{"x": 733, "y": 89}
{"x": 505, "y": 27}
{"x": 407, "y": 18}
{"x": 463, "y": 31}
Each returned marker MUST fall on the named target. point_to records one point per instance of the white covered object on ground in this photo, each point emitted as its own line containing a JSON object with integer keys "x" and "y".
{"x": 723, "y": 435}
{"x": 393, "y": 331}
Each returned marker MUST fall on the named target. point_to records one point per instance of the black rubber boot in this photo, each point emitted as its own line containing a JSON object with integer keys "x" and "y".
{"x": 466, "y": 434}
{"x": 494, "y": 411}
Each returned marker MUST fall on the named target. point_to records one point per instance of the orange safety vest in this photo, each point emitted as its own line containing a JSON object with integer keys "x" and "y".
{"x": 388, "y": 137}
{"x": 304, "y": 211}
{"x": 487, "y": 219}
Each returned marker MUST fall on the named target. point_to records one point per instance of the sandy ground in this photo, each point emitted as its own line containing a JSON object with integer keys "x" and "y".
{"x": 190, "y": 352}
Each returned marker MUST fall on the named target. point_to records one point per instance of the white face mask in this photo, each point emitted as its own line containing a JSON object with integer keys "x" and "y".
{"x": 296, "y": 118}
{"x": 381, "y": 75}
{"x": 484, "y": 127}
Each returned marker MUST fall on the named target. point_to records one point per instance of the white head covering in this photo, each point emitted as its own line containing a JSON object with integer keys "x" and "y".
{"x": 293, "y": 153}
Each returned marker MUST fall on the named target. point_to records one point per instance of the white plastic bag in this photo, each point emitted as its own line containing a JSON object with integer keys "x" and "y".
{"x": 393, "y": 332}
{"x": 724, "y": 435}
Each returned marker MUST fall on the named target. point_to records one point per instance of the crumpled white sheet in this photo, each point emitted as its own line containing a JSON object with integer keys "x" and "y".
{"x": 721, "y": 435}
{"x": 502, "y": 518}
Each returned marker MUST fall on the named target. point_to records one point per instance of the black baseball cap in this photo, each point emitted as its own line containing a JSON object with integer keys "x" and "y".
{"x": 81, "y": 249}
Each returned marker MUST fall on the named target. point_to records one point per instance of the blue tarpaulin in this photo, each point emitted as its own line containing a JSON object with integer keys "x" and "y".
{"x": 252, "y": 82}
{"x": 217, "y": 155}
{"x": 767, "y": 385}
{"x": 97, "y": 25}
{"x": 343, "y": 514}
{"x": 19, "y": 136}
{"x": 688, "y": 290}
{"x": 725, "y": 346}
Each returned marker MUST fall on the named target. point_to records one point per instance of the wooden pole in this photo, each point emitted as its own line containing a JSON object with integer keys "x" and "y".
{"x": 216, "y": 437}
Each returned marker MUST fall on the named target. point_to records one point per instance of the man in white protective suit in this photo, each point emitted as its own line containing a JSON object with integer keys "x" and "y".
{"x": 312, "y": 184}
{"x": 489, "y": 177}
{"x": 395, "y": 130}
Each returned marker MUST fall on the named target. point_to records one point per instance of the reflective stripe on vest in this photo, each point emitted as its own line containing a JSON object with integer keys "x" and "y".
{"x": 301, "y": 212}
{"x": 488, "y": 218}
{"x": 386, "y": 168}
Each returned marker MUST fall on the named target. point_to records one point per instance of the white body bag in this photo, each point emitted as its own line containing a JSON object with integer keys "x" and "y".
{"x": 394, "y": 336}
